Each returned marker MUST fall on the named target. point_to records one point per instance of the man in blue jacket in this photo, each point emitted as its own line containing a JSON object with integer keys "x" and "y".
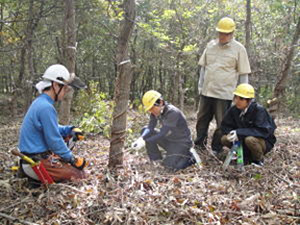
{"x": 41, "y": 137}
{"x": 249, "y": 123}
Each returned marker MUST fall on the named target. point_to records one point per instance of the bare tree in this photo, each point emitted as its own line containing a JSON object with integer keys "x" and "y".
{"x": 69, "y": 55}
{"x": 274, "y": 104}
{"x": 122, "y": 86}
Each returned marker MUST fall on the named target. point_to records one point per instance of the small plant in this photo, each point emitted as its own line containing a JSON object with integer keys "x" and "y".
{"x": 93, "y": 111}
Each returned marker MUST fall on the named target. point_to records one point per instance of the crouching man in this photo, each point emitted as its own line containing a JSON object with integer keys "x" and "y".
{"x": 174, "y": 135}
{"x": 250, "y": 123}
{"x": 41, "y": 137}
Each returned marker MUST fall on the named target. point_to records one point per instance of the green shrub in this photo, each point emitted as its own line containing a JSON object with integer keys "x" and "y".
{"x": 93, "y": 111}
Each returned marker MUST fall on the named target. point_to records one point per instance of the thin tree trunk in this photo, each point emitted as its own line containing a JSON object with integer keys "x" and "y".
{"x": 248, "y": 26}
{"x": 1, "y": 24}
{"x": 181, "y": 91}
{"x": 122, "y": 87}
{"x": 70, "y": 54}
{"x": 283, "y": 77}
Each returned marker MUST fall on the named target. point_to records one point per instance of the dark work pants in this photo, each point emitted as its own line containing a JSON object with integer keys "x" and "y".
{"x": 210, "y": 108}
{"x": 178, "y": 154}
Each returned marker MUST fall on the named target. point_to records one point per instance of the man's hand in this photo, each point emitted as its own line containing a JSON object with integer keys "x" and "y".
{"x": 232, "y": 136}
{"x": 138, "y": 144}
{"x": 77, "y": 134}
{"x": 79, "y": 163}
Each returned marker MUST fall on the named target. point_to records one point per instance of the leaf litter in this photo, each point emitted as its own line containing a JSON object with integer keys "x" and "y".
{"x": 141, "y": 193}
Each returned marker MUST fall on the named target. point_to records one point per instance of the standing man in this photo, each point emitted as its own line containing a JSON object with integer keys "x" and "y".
{"x": 224, "y": 63}
{"x": 174, "y": 136}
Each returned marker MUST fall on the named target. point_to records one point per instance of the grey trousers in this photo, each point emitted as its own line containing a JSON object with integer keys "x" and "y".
{"x": 210, "y": 108}
{"x": 178, "y": 155}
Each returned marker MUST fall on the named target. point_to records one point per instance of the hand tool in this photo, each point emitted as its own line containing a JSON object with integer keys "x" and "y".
{"x": 37, "y": 167}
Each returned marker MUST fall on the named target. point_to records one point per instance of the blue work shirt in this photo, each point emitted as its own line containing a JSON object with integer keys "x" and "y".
{"x": 40, "y": 131}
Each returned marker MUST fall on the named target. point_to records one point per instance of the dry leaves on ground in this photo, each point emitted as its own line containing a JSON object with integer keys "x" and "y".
{"x": 141, "y": 193}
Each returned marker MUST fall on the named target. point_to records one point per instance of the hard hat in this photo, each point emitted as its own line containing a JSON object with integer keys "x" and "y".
{"x": 61, "y": 75}
{"x": 244, "y": 91}
{"x": 226, "y": 25}
{"x": 149, "y": 99}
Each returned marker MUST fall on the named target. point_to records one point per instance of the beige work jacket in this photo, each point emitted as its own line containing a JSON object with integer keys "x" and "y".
{"x": 223, "y": 65}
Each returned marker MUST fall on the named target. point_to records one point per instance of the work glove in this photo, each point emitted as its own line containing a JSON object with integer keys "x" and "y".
{"x": 138, "y": 144}
{"x": 232, "y": 136}
{"x": 79, "y": 163}
{"x": 77, "y": 134}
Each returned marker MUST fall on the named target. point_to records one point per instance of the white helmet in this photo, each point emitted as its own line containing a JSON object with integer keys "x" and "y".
{"x": 61, "y": 75}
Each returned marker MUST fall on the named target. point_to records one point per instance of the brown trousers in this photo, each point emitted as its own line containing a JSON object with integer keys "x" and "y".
{"x": 61, "y": 171}
{"x": 256, "y": 146}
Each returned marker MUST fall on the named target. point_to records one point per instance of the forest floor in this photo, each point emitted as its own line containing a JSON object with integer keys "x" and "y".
{"x": 142, "y": 194}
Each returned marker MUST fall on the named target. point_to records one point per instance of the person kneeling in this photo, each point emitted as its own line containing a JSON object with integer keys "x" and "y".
{"x": 41, "y": 137}
{"x": 174, "y": 135}
{"x": 250, "y": 123}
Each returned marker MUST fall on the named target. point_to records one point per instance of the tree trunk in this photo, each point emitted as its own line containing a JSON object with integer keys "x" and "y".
{"x": 248, "y": 26}
{"x": 69, "y": 52}
{"x": 274, "y": 104}
{"x": 122, "y": 87}
{"x": 24, "y": 81}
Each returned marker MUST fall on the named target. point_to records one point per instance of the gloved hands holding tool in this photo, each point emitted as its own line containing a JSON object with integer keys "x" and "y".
{"x": 138, "y": 144}
{"x": 232, "y": 136}
{"x": 79, "y": 163}
{"x": 77, "y": 134}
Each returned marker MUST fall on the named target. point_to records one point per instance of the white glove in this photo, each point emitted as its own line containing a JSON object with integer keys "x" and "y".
{"x": 232, "y": 136}
{"x": 138, "y": 144}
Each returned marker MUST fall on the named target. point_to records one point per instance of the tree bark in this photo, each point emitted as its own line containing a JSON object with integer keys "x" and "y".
{"x": 122, "y": 87}
{"x": 274, "y": 104}
{"x": 24, "y": 81}
{"x": 69, "y": 52}
{"x": 248, "y": 26}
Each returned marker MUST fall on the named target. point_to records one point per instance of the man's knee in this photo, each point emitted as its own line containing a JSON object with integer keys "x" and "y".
{"x": 177, "y": 163}
{"x": 256, "y": 146}
{"x": 250, "y": 141}
{"x": 254, "y": 142}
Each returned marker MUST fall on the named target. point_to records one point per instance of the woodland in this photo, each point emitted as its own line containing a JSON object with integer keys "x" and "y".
{"x": 121, "y": 49}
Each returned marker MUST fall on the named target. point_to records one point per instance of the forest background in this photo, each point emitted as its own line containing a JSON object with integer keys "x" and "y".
{"x": 165, "y": 39}
{"x": 168, "y": 38}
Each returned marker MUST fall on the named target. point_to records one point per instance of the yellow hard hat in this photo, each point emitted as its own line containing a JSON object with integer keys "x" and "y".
{"x": 244, "y": 91}
{"x": 226, "y": 25}
{"x": 149, "y": 98}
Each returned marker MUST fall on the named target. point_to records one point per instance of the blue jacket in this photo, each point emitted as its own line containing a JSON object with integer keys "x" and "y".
{"x": 40, "y": 131}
